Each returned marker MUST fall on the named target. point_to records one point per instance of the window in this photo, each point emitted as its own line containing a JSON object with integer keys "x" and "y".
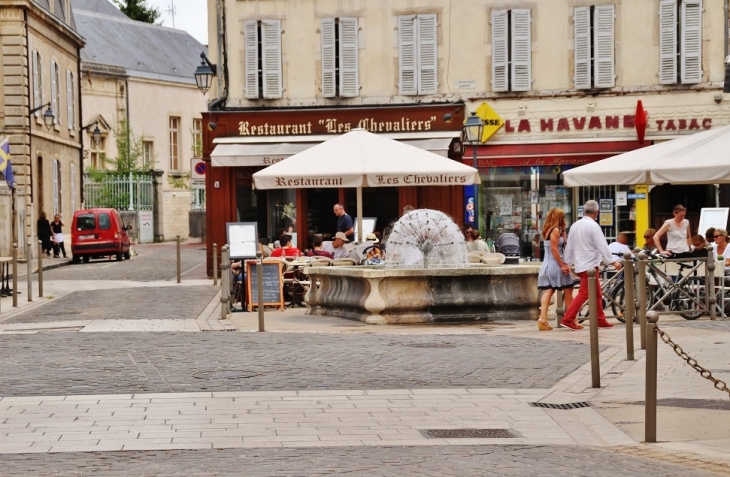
{"x": 148, "y": 157}
{"x": 680, "y": 41}
{"x": 70, "y": 101}
{"x": 97, "y": 152}
{"x": 417, "y": 54}
{"x": 511, "y": 50}
{"x": 594, "y": 48}
{"x": 38, "y": 98}
{"x": 56, "y": 92}
{"x": 56, "y": 186}
{"x": 105, "y": 223}
{"x": 339, "y": 57}
{"x": 85, "y": 222}
{"x": 174, "y": 144}
{"x": 262, "y": 65}
{"x": 197, "y": 137}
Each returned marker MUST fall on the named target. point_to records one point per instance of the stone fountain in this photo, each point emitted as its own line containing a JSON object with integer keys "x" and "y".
{"x": 427, "y": 277}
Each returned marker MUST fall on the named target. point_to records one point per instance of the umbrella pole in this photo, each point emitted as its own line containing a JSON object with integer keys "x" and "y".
{"x": 359, "y": 214}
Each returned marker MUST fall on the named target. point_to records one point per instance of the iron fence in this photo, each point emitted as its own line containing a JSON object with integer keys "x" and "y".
{"x": 121, "y": 191}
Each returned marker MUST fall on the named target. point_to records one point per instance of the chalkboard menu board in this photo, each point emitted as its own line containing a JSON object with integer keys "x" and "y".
{"x": 273, "y": 284}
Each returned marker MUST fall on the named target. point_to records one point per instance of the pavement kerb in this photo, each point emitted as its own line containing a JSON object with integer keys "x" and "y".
{"x": 23, "y": 267}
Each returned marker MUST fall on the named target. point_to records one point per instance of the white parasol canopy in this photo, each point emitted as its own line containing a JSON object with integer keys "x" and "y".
{"x": 700, "y": 158}
{"x": 362, "y": 159}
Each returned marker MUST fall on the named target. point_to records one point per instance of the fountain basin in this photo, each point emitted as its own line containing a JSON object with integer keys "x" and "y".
{"x": 470, "y": 293}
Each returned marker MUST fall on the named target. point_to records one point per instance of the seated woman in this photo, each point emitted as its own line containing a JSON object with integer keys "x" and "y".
{"x": 286, "y": 249}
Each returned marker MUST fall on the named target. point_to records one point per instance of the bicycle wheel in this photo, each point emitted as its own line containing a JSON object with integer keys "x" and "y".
{"x": 619, "y": 304}
{"x": 694, "y": 291}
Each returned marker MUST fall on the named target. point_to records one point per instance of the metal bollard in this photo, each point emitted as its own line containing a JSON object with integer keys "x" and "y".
{"x": 225, "y": 278}
{"x": 710, "y": 293}
{"x": 642, "y": 298}
{"x": 651, "y": 378}
{"x": 40, "y": 269}
{"x": 593, "y": 313}
{"x": 215, "y": 264}
{"x": 15, "y": 275}
{"x": 629, "y": 305}
{"x": 178, "y": 257}
{"x": 559, "y": 308}
{"x": 29, "y": 267}
{"x": 260, "y": 287}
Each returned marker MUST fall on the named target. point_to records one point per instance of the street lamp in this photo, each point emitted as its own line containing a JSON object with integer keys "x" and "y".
{"x": 96, "y": 133}
{"x": 204, "y": 74}
{"x": 473, "y": 129}
{"x": 48, "y": 117}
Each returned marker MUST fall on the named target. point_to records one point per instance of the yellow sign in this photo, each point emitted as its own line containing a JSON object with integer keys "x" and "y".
{"x": 492, "y": 121}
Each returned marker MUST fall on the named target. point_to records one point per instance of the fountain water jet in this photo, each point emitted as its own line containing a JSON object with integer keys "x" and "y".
{"x": 426, "y": 278}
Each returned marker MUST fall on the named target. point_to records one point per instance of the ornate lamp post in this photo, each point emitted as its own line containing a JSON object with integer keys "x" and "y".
{"x": 473, "y": 129}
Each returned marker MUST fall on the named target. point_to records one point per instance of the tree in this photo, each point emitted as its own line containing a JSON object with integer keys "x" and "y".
{"x": 138, "y": 10}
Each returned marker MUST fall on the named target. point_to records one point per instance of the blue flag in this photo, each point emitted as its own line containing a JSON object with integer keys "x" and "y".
{"x": 5, "y": 166}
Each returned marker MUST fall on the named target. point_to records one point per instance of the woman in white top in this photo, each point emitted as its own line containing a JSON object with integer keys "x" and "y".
{"x": 678, "y": 233}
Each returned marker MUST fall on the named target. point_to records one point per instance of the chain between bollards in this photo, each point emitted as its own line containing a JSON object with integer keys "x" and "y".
{"x": 29, "y": 267}
{"x": 260, "y": 288}
{"x": 225, "y": 279}
{"x": 178, "y": 258}
{"x": 629, "y": 304}
{"x": 215, "y": 264}
{"x": 651, "y": 378}
{"x": 15, "y": 275}
{"x": 40, "y": 269}
{"x": 593, "y": 313}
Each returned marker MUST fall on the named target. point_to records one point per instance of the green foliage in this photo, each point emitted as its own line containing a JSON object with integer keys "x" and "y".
{"x": 129, "y": 149}
{"x": 179, "y": 181}
{"x": 138, "y": 10}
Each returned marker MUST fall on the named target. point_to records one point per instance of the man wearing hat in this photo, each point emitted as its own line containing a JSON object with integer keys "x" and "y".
{"x": 337, "y": 246}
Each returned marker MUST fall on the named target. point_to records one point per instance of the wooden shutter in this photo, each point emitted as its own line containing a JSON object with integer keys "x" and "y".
{"x": 691, "y": 42}
{"x": 36, "y": 83}
{"x": 667, "y": 41}
{"x": 73, "y": 185}
{"x": 55, "y": 186}
{"x": 604, "y": 75}
{"x": 271, "y": 58}
{"x": 521, "y": 48}
{"x": 70, "y": 99}
{"x": 427, "y": 54}
{"x": 251, "y": 61}
{"x": 407, "y": 79}
{"x": 54, "y": 92}
{"x": 349, "y": 59}
{"x": 40, "y": 82}
{"x": 327, "y": 29}
{"x": 582, "y": 47}
{"x": 500, "y": 50}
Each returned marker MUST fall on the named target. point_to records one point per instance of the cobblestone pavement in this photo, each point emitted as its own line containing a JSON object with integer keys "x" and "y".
{"x": 100, "y": 363}
{"x": 123, "y": 303}
{"x": 153, "y": 262}
{"x": 386, "y": 461}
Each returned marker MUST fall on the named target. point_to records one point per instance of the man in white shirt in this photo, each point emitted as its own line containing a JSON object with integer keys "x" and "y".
{"x": 620, "y": 246}
{"x": 337, "y": 246}
{"x": 586, "y": 247}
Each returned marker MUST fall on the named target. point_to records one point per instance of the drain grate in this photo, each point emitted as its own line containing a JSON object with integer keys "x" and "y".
{"x": 429, "y": 345}
{"x": 226, "y": 374}
{"x": 468, "y": 433}
{"x": 572, "y": 405}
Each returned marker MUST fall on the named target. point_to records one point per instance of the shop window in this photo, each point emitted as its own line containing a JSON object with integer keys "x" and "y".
{"x": 417, "y": 54}
{"x": 339, "y": 57}
{"x": 511, "y": 50}
{"x": 262, "y": 63}
{"x": 680, "y": 41}
{"x": 594, "y": 47}
{"x": 174, "y": 131}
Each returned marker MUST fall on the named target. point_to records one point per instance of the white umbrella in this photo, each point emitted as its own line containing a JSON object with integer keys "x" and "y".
{"x": 700, "y": 158}
{"x": 362, "y": 159}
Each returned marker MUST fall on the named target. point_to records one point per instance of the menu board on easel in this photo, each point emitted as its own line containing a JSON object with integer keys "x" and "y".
{"x": 273, "y": 284}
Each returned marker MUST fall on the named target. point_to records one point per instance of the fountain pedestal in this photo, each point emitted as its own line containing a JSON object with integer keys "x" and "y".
{"x": 379, "y": 296}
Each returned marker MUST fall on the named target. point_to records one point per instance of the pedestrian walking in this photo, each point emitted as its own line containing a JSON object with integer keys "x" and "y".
{"x": 44, "y": 233}
{"x": 57, "y": 229}
{"x": 585, "y": 250}
{"x": 554, "y": 272}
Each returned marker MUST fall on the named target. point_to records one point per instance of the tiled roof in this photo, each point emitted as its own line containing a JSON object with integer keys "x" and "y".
{"x": 143, "y": 49}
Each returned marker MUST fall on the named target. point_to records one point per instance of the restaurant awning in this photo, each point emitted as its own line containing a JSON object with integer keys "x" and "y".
{"x": 264, "y": 151}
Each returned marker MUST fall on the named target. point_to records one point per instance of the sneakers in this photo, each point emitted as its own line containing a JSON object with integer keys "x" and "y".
{"x": 605, "y": 324}
{"x": 571, "y": 324}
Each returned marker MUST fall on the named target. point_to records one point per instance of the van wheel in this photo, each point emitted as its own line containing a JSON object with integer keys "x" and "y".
{"x": 76, "y": 259}
{"x": 87, "y": 259}
{"x": 119, "y": 256}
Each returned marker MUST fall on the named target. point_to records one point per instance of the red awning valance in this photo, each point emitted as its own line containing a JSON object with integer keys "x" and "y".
{"x": 520, "y": 155}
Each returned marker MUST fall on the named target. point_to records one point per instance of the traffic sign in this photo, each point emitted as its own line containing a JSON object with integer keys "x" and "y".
{"x": 492, "y": 121}
{"x": 197, "y": 173}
